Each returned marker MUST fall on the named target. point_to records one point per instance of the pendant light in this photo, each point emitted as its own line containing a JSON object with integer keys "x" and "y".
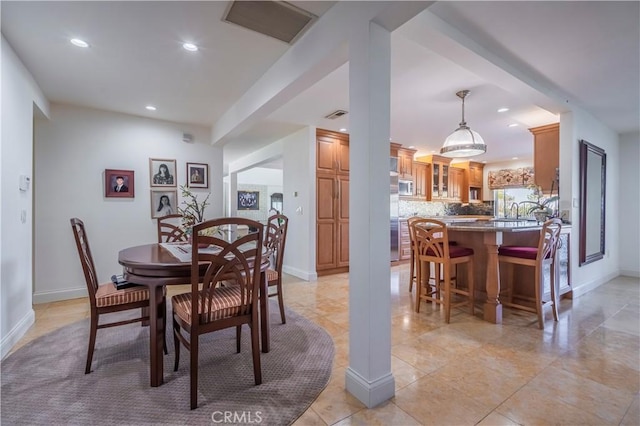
{"x": 464, "y": 142}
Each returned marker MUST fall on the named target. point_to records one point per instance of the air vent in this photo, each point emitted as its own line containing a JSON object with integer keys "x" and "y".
{"x": 277, "y": 19}
{"x": 336, "y": 114}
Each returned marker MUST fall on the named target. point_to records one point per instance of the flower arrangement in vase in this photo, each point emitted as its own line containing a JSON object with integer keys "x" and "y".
{"x": 193, "y": 210}
{"x": 541, "y": 209}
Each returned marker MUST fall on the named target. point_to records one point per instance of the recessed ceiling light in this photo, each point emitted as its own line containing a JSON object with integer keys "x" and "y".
{"x": 484, "y": 161}
{"x": 190, "y": 47}
{"x": 343, "y": 130}
{"x": 79, "y": 43}
{"x": 411, "y": 147}
{"x": 514, "y": 158}
{"x": 150, "y": 107}
{"x": 503, "y": 110}
{"x": 513, "y": 125}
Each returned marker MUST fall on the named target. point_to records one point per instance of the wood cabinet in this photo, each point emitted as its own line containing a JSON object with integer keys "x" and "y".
{"x": 405, "y": 163}
{"x": 405, "y": 241}
{"x": 473, "y": 182}
{"x": 438, "y": 177}
{"x": 546, "y": 156}
{"x": 456, "y": 183}
{"x": 420, "y": 180}
{"x": 332, "y": 201}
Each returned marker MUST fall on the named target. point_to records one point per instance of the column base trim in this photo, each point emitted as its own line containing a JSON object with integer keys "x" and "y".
{"x": 373, "y": 393}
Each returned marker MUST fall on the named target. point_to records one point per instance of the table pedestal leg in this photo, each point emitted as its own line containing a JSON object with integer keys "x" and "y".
{"x": 156, "y": 330}
{"x": 264, "y": 312}
{"x": 493, "y": 307}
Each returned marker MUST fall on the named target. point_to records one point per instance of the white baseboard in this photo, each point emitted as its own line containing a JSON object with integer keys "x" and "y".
{"x": 54, "y": 296}
{"x": 304, "y": 275}
{"x": 373, "y": 393}
{"x": 591, "y": 285}
{"x": 630, "y": 273}
{"x": 10, "y": 340}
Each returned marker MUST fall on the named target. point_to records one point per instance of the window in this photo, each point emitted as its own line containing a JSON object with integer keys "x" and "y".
{"x": 511, "y": 200}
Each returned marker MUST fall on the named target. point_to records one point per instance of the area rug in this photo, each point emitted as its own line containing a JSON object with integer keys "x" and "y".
{"x": 44, "y": 381}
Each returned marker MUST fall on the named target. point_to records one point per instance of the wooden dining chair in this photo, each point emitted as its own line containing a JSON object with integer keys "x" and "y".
{"x": 219, "y": 307}
{"x": 274, "y": 241}
{"x": 545, "y": 254}
{"x": 412, "y": 243}
{"x": 432, "y": 246}
{"x": 105, "y": 298}
{"x": 168, "y": 231}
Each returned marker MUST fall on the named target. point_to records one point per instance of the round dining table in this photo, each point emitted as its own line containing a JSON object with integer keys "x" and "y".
{"x": 154, "y": 266}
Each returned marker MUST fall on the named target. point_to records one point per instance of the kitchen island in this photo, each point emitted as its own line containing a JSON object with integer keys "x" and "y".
{"x": 484, "y": 237}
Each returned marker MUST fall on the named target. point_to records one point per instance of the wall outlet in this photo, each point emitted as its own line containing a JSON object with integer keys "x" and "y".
{"x": 299, "y": 211}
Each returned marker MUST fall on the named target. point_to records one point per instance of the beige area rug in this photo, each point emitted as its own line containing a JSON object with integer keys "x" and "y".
{"x": 44, "y": 383}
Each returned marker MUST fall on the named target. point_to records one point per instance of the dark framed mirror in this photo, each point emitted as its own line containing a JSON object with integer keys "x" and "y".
{"x": 593, "y": 183}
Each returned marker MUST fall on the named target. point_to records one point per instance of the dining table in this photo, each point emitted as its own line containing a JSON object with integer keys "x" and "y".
{"x": 157, "y": 266}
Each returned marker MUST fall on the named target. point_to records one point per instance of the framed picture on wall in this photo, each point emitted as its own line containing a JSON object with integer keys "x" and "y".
{"x": 162, "y": 172}
{"x": 248, "y": 200}
{"x": 197, "y": 175}
{"x": 119, "y": 183}
{"x": 163, "y": 203}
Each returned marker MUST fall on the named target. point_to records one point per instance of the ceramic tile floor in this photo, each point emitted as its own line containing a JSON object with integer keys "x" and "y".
{"x": 583, "y": 370}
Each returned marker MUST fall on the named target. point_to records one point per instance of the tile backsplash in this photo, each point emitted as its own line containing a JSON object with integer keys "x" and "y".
{"x": 409, "y": 208}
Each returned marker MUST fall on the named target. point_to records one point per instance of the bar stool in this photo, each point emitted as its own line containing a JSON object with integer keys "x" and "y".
{"x": 432, "y": 246}
{"x": 538, "y": 258}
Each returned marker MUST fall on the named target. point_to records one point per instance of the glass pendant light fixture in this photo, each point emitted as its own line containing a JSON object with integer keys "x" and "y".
{"x": 464, "y": 142}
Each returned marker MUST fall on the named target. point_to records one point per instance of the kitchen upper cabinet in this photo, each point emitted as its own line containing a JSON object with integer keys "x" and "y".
{"x": 439, "y": 177}
{"x": 546, "y": 156}
{"x": 420, "y": 181}
{"x": 332, "y": 201}
{"x": 332, "y": 151}
{"x": 473, "y": 182}
{"x": 456, "y": 181}
{"x": 405, "y": 163}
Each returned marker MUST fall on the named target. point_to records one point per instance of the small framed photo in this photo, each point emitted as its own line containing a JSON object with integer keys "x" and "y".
{"x": 248, "y": 200}
{"x": 119, "y": 183}
{"x": 163, "y": 203}
{"x": 198, "y": 175}
{"x": 162, "y": 172}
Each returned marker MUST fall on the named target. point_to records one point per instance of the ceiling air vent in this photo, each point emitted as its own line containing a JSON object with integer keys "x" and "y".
{"x": 336, "y": 114}
{"x": 277, "y": 19}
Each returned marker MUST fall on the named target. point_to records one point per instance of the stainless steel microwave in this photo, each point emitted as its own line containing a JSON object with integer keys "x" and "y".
{"x": 405, "y": 187}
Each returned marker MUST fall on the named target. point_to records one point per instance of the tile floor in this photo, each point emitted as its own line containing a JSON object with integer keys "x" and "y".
{"x": 583, "y": 370}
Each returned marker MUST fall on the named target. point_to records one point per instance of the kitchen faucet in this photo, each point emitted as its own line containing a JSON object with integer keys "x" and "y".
{"x": 517, "y": 212}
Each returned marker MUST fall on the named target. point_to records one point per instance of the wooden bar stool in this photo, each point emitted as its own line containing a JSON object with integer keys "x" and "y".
{"x": 538, "y": 258}
{"x": 432, "y": 246}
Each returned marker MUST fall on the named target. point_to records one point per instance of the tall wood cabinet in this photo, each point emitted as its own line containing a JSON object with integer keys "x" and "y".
{"x": 546, "y": 155}
{"x": 473, "y": 182}
{"x": 420, "y": 180}
{"x": 456, "y": 183}
{"x": 405, "y": 163}
{"x": 332, "y": 201}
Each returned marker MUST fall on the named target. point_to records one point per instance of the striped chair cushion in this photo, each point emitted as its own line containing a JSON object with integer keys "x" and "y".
{"x": 108, "y": 295}
{"x": 226, "y": 303}
{"x": 272, "y": 275}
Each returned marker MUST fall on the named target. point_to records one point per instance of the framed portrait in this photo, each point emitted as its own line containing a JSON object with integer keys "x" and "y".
{"x": 248, "y": 200}
{"x": 119, "y": 183}
{"x": 163, "y": 203}
{"x": 162, "y": 172}
{"x": 197, "y": 175}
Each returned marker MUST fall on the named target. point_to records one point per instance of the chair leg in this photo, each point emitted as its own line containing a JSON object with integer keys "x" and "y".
{"x": 447, "y": 294}
{"x": 193, "y": 371}
{"x": 412, "y": 271}
{"x": 176, "y": 344}
{"x": 164, "y": 325}
{"x": 419, "y": 284}
{"x": 92, "y": 341}
{"x": 255, "y": 350}
{"x": 281, "y": 302}
{"x": 554, "y": 293}
{"x": 238, "y": 338}
{"x": 538, "y": 290}
{"x": 471, "y": 286}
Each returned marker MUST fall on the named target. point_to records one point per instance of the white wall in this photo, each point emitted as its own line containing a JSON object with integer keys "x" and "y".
{"x": 299, "y": 165}
{"x": 629, "y": 211}
{"x": 575, "y": 126}
{"x": 20, "y": 95}
{"x": 72, "y": 151}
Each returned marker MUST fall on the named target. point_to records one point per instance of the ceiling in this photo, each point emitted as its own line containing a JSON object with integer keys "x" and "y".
{"x": 582, "y": 54}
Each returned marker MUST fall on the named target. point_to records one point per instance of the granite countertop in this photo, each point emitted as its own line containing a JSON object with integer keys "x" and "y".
{"x": 488, "y": 224}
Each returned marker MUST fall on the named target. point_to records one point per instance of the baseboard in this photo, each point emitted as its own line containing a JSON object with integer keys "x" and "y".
{"x": 373, "y": 393}
{"x": 304, "y": 275}
{"x": 10, "y": 340}
{"x": 630, "y": 273}
{"x": 591, "y": 285}
{"x": 54, "y": 296}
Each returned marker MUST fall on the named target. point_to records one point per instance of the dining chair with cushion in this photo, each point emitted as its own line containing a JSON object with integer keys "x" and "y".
{"x": 105, "y": 298}
{"x": 169, "y": 230}
{"x": 432, "y": 246}
{"x": 274, "y": 241}
{"x": 545, "y": 254}
{"x": 210, "y": 306}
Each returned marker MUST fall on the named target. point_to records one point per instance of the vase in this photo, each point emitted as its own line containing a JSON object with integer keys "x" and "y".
{"x": 540, "y": 215}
